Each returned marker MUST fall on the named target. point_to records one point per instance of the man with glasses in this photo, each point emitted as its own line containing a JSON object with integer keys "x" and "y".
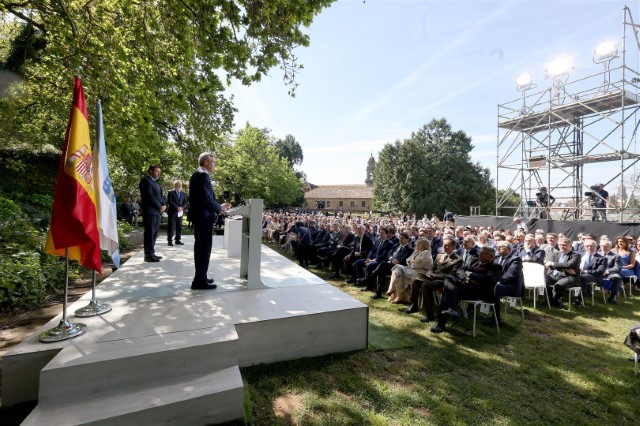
{"x": 563, "y": 271}
{"x": 398, "y": 256}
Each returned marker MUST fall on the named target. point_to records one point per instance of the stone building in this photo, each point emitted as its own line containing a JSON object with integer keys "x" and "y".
{"x": 346, "y": 198}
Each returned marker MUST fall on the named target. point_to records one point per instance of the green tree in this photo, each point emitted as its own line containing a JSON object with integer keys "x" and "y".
{"x": 430, "y": 171}
{"x": 289, "y": 149}
{"x": 510, "y": 202}
{"x": 159, "y": 67}
{"x": 252, "y": 167}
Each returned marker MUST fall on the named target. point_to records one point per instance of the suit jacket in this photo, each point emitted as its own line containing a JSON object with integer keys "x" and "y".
{"x": 473, "y": 252}
{"x": 613, "y": 265}
{"x": 420, "y": 261}
{"x": 364, "y": 248}
{"x": 571, "y": 261}
{"x": 595, "y": 267}
{"x": 485, "y": 275}
{"x": 151, "y": 196}
{"x": 174, "y": 200}
{"x": 380, "y": 251}
{"x": 536, "y": 255}
{"x": 445, "y": 264}
{"x": 512, "y": 275}
{"x": 401, "y": 254}
{"x": 202, "y": 200}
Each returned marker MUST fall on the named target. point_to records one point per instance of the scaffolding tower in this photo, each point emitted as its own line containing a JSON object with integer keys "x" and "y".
{"x": 551, "y": 138}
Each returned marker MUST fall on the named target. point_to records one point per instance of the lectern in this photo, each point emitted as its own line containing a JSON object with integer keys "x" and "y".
{"x": 251, "y": 217}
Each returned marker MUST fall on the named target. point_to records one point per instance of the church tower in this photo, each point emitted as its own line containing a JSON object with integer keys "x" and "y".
{"x": 371, "y": 166}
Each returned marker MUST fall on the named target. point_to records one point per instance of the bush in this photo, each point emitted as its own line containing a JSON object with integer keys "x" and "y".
{"x": 22, "y": 284}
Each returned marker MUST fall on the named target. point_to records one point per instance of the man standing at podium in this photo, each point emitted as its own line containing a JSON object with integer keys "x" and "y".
{"x": 203, "y": 209}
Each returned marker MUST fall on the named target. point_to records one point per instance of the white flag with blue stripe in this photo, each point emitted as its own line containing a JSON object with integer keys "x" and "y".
{"x": 105, "y": 196}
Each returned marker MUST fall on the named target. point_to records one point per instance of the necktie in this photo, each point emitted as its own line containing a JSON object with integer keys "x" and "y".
{"x": 562, "y": 257}
{"x": 587, "y": 261}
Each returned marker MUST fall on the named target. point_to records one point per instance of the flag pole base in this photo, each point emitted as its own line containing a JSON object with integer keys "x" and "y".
{"x": 92, "y": 309}
{"x": 64, "y": 330}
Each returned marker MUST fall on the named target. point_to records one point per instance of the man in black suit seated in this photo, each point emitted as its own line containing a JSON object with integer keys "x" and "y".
{"x": 337, "y": 255}
{"x": 177, "y": 200}
{"x": 204, "y": 207}
{"x": 380, "y": 252}
{"x": 445, "y": 264}
{"x": 563, "y": 271}
{"x": 361, "y": 248}
{"x": 399, "y": 256}
{"x": 152, "y": 205}
{"x": 512, "y": 280}
{"x": 529, "y": 251}
{"x": 613, "y": 268}
{"x": 476, "y": 280}
{"x": 593, "y": 266}
{"x": 468, "y": 249}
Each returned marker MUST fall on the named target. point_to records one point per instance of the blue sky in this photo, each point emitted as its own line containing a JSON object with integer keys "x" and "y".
{"x": 378, "y": 70}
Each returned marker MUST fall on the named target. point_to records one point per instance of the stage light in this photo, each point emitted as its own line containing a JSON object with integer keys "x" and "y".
{"x": 559, "y": 67}
{"x": 524, "y": 82}
{"x": 605, "y": 51}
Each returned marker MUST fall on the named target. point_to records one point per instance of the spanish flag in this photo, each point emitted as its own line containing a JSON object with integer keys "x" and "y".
{"x": 73, "y": 215}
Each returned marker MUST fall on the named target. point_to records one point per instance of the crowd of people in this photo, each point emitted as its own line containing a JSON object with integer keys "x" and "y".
{"x": 428, "y": 263}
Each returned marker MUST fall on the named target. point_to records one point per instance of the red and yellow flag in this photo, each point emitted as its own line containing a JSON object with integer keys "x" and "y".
{"x": 73, "y": 215}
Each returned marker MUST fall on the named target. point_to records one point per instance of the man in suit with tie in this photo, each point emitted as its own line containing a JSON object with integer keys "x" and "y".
{"x": 152, "y": 205}
{"x": 204, "y": 207}
{"x": 476, "y": 280}
{"x": 399, "y": 256}
{"x": 592, "y": 269}
{"x": 468, "y": 249}
{"x": 361, "y": 248}
{"x": 512, "y": 280}
{"x": 445, "y": 264}
{"x": 380, "y": 252}
{"x": 613, "y": 268}
{"x": 529, "y": 251}
{"x": 176, "y": 199}
{"x": 563, "y": 271}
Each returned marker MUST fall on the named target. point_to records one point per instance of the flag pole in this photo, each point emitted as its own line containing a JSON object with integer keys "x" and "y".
{"x": 94, "y": 307}
{"x": 65, "y": 329}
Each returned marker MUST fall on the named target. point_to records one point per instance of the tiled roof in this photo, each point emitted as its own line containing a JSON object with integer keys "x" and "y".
{"x": 350, "y": 192}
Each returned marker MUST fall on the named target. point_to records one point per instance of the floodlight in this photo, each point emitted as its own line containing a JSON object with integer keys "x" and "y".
{"x": 605, "y": 51}
{"x": 524, "y": 82}
{"x": 559, "y": 67}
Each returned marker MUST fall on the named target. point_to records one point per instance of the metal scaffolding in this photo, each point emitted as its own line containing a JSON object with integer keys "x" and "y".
{"x": 550, "y": 138}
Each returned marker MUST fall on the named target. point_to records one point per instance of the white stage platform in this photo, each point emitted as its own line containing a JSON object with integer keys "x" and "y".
{"x": 168, "y": 354}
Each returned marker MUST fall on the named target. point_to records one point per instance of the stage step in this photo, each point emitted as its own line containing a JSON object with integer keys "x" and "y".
{"x": 202, "y": 399}
{"x": 101, "y": 369}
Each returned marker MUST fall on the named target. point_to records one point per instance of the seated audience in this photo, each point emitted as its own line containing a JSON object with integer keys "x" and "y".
{"x": 402, "y": 276}
{"x": 563, "y": 271}
{"x": 592, "y": 268}
{"x": 511, "y": 281}
{"x": 612, "y": 270}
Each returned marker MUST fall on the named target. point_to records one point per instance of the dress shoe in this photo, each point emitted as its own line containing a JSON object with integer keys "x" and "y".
{"x": 579, "y": 303}
{"x": 451, "y": 312}
{"x": 411, "y": 310}
{"x": 202, "y": 286}
{"x": 170, "y": 243}
{"x": 427, "y": 318}
{"x": 350, "y": 281}
{"x": 377, "y": 296}
{"x": 555, "y": 303}
{"x": 179, "y": 243}
{"x": 151, "y": 259}
{"x": 333, "y": 276}
{"x": 157, "y": 257}
{"x": 362, "y": 280}
{"x": 437, "y": 329}
{"x": 210, "y": 280}
{"x": 365, "y": 288}
{"x": 612, "y": 300}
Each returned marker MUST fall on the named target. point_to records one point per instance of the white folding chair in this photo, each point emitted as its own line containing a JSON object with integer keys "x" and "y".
{"x": 483, "y": 306}
{"x": 513, "y": 302}
{"x": 632, "y": 280}
{"x": 534, "y": 280}
{"x": 594, "y": 287}
{"x": 577, "y": 292}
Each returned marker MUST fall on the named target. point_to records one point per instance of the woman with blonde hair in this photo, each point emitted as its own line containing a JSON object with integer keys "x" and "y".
{"x": 402, "y": 276}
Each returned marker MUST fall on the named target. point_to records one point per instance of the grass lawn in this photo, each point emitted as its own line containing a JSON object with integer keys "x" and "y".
{"x": 553, "y": 367}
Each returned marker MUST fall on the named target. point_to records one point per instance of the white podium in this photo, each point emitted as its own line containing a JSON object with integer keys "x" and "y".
{"x": 232, "y": 240}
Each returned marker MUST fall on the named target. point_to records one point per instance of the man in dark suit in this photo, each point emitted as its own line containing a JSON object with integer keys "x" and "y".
{"x": 152, "y": 205}
{"x": 361, "y": 248}
{"x": 473, "y": 281}
{"x": 468, "y": 249}
{"x": 380, "y": 252}
{"x": 593, "y": 266}
{"x": 613, "y": 268}
{"x": 177, "y": 200}
{"x": 204, "y": 207}
{"x": 529, "y": 251}
{"x": 445, "y": 264}
{"x": 563, "y": 271}
{"x": 512, "y": 280}
{"x": 399, "y": 256}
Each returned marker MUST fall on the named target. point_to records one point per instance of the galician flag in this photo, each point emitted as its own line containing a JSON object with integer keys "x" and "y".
{"x": 73, "y": 215}
{"x": 106, "y": 198}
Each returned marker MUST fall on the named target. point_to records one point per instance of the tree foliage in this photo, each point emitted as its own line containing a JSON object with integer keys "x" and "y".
{"x": 252, "y": 167}
{"x": 430, "y": 171}
{"x": 160, "y": 68}
{"x": 289, "y": 149}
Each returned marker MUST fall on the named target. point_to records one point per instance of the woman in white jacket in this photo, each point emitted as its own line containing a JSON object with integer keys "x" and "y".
{"x": 401, "y": 276}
